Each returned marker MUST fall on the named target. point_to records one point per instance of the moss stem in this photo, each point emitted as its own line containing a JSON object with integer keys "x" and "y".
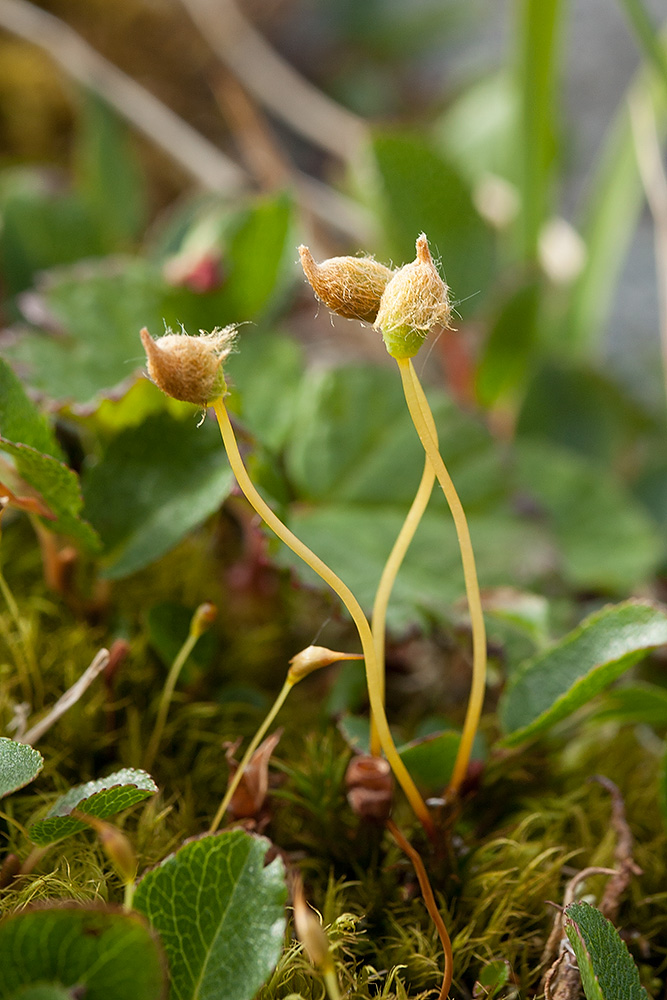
{"x": 389, "y": 574}
{"x": 167, "y": 695}
{"x": 430, "y": 903}
{"x": 252, "y": 746}
{"x": 348, "y": 599}
{"x": 422, "y": 418}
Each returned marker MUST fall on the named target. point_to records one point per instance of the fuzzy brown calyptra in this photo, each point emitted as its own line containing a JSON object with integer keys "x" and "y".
{"x": 349, "y": 286}
{"x": 189, "y": 368}
{"x": 414, "y": 302}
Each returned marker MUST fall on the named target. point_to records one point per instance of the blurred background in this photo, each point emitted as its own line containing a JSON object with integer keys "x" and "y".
{"x": 161, "y": 160}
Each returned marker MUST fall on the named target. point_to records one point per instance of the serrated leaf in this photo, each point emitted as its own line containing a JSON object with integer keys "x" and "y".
{"x": 606, "y": 966}
{"x": 20, "y": 421}
{"x": 153, "y": 485}
{"x": 554, "y": 684}
{"x": 98, "y": 309}
{"x": 19, "y": 765}
{"x": 220, "y": 915}
{"x": 59, "y": 488}
{"x": 100, "y": 798}
{"x": 106, "y": 954}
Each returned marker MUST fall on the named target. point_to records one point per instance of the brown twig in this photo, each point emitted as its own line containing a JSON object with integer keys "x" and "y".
{"x": 626, "y": 866}
{"x": 257, "y": 145}
{"x": 69, "y": 698}
{"x": 196, "y": 155}
{"x": 276, "y": 84}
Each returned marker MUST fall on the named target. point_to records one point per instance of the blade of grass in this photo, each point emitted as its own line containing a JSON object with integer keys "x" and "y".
{"x": 609, "y": 219}
{"x": 537, "y": 67}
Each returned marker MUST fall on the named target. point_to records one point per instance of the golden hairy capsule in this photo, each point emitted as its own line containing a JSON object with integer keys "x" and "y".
{"x": 414, "y": 302}
{"x": 313, "y": 658}
{"x": 189, "y": 368}
{"x": 349, "y": 286}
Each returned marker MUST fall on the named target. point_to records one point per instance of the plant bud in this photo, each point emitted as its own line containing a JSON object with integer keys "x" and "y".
{"x": 415, "y": 300}
{"x": 203, "y": 618}
{"x": 369, "y": 787}
{"x": 349, "y": 286}
{"x": 116, "y": 845}
{"x": 312, "y": 658}
{"x": 189, "y": 368}
{"x": 309, "y": 929}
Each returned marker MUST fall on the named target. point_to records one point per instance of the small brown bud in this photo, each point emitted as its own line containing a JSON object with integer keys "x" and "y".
{"x": 249, "y": 798}
{"x": 312, "y": 658}
{"x": 369, "y": 787}
{"x": 415, "y": 301}
{"x": 189, "y": 368}
{"x": 349, "y": 286}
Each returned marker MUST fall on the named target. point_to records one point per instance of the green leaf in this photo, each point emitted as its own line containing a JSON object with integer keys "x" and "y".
{"x": 492, "y": 977}
{"x": 43, "y": 991}
{"x": 219, "y": 913}
{"x": 422, "y": 192}
{"x": 478, "y": 130}
{"x": 431, "y": 579}
{"x": 554, "y": 684}
{"x": 59, "y": 488}
{"x": 646, "y": 703}
{"x": 153, "y": 485}
{"x": 430, "y": 760}
{"x": 509, "y": 349}
{"x": 28, "y": 438}
{"x": 603, "y": 537}
{"x": 536, "y": 142}
{"x": 98, "y": 309}
{"x": 41, "y": 227}
{"x": 100, "y": 798}
{"x": 19, "y": 765}
{"x": 606, "y": 966}
{"x": 256, "y": 253}
{"x": 577, "y": 408}
{"x": 20, "y": 421}
{"x": 266, "y": 376}
{"x": 104, "y": 953}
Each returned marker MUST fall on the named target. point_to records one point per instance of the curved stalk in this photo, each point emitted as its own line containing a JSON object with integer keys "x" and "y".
{"x": 431, "y": 905}
{"x": 422, "y": 418}
{"x": 348, "y": 599}
{"x": 389, "y": 574}
{"x": 167, "y": 695}
{"x": 252, "y": 746}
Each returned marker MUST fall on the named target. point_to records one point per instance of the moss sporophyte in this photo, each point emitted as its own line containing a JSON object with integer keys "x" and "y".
{"x": 165, "y": 357}
{"x": 414, "y": 301}
{"x": 404, "y": 305}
